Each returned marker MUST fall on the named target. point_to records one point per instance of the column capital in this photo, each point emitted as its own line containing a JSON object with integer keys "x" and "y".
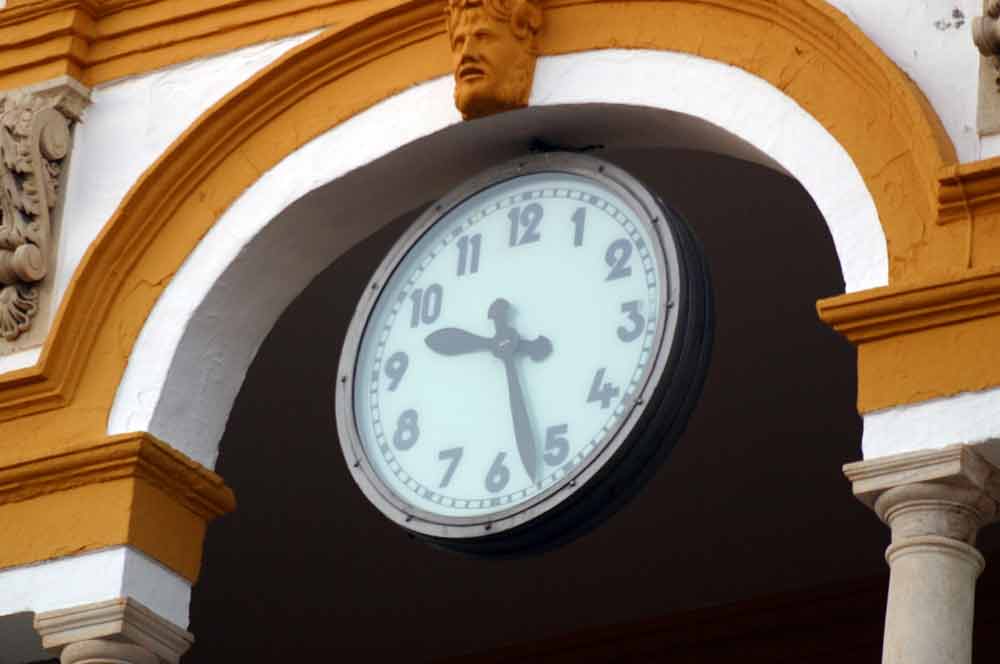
{"x": 123, "y": 621}
{"x": 106, "y": 652}
{"x": 955, "y": 474}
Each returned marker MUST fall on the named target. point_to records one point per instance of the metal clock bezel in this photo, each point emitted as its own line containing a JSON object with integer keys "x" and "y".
{"x": 660, "y": 224}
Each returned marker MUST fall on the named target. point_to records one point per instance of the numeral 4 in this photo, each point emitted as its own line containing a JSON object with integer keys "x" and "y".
{"x": 602, "y": 391}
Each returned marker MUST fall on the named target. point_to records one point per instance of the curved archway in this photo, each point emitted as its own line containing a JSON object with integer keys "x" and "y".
{"x": 803, "y": 47}
{"x": 180, "y": 383}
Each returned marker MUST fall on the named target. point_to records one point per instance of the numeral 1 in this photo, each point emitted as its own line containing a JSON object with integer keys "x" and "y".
{"x": 579, "y": 220}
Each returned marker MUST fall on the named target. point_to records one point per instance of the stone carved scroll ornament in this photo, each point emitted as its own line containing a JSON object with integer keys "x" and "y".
{"x": 34, "y": 140}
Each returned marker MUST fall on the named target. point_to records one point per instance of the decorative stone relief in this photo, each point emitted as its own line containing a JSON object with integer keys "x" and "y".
{"x": 493, "y": 53}
{"x": 35, "y": 139}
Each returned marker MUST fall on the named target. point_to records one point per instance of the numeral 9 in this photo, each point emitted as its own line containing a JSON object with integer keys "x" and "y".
{"x": 395, "y": 369}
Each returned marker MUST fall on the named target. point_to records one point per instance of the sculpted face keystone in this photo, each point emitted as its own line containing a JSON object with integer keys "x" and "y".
{"x": 493, "y": 54}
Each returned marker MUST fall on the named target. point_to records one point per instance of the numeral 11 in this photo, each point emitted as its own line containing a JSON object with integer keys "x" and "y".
{"x": 469, "y": 248}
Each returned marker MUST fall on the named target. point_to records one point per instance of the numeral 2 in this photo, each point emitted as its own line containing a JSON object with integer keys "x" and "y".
{"x": 617, "y": 258}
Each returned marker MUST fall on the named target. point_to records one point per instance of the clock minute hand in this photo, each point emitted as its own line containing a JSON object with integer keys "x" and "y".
{"x": 506, "y": 343}
{"x": 523, "y": 434}
{"x": 454, "y": 341}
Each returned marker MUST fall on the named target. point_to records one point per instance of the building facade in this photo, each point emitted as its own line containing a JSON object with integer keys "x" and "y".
{"x": 177, "y": 173}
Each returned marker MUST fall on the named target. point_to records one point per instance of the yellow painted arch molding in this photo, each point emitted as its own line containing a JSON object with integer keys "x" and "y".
{"x": 804, "y": 47}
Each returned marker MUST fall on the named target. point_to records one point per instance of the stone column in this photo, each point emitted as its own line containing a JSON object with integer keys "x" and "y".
{"x": 120, "y": 631}
{"x": 934, "y": 503}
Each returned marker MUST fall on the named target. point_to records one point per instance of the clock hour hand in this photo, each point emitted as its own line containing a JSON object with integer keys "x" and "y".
{"x": 454, "y": 341}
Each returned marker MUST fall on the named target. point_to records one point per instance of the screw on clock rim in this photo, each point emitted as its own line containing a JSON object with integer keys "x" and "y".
{"x": 659, "y": 222}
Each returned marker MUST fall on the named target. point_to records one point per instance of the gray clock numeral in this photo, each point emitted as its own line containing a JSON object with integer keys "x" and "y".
{"x": 426, "y": 305}
{"x": 395, "y": 369}
{"x": 602, "y": 391}
{"x": 499, "y": 474}
{"x": 617, "y": 258}
{"x": 556, "y": 445}
{"x": 407, "y": 430}
{"x": 579, "y": 220}
{"x": 452, "y": 456}
{"x": 631, "y": 309}
{"x": 469, "y": 248}
{"x": 528, "y": 218}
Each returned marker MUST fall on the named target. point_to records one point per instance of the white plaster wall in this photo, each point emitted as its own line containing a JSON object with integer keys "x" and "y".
{"x": 971, "y": 417}
{"x": 931, "y": 40}
{"x": 128, "y": 126}
{"x": 742, "y": 104}
{"x": 96, "y": 577}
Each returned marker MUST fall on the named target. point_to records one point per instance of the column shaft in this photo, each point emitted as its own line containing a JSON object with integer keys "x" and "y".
{"x": 932, "y": 588}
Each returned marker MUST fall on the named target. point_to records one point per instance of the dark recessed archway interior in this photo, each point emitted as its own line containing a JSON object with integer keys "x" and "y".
{"x": 750, "y": 503}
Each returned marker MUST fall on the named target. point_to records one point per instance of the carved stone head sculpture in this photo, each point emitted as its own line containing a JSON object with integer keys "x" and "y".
{"x": 493, "y": 53}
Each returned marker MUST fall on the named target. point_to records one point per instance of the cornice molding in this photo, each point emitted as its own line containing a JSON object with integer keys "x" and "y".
{"x": 968, "y": 190}
{"x": 135, "y": 455}
{"x": 888, "y": 312}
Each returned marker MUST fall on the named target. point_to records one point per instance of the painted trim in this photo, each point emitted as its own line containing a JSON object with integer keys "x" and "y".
{"x": 96, "y": 42}
{"x": 968, "y": 189}
{"x": 126, "y": 490}
{"x": 922, "y": 341}
{"x": 135, "y": 455}
{"x": 890, "y": 312}
{"x": 92, "y": 577}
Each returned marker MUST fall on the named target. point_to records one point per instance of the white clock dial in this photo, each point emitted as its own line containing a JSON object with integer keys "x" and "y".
{"x": 509, "y": 345}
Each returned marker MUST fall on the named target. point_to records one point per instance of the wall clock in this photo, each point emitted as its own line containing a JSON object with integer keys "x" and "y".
{"x": 525, "y": 356}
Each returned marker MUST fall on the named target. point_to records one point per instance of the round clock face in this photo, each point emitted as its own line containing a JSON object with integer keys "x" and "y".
{"x": 507, "y": 346}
